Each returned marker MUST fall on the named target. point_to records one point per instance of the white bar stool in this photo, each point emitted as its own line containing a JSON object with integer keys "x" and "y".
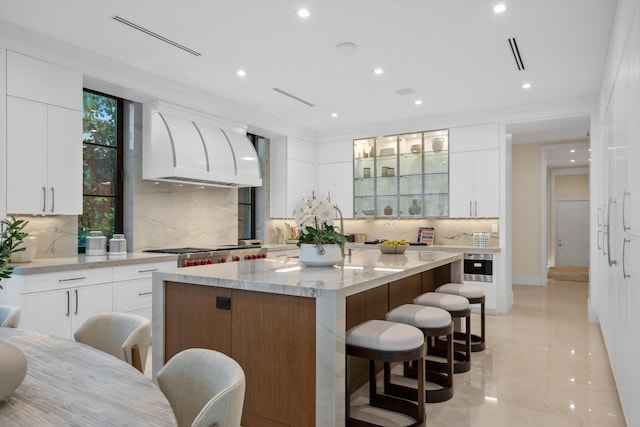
{"x": 458, "y": 307}
{"x": 389, "y": 342}
{"x": 434, "y": 322}
{"x": 475, "y": 295}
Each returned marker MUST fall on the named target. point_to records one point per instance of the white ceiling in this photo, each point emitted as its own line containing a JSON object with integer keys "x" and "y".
{"x": 454, "y": 54}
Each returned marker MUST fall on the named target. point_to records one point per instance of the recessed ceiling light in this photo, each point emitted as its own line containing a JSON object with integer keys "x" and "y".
{"x": 378, "y": 71}
{"x": 499, "y": 8}
{"x": 241, "y": 73}
{"x": 572, "y": 161}
{"x": 526, "y": 85}
{"x": 418, "y": 102}
{"x": 572, "y": 151}
{"x": 334, "y": 114}
{"x": 303, "y": 13}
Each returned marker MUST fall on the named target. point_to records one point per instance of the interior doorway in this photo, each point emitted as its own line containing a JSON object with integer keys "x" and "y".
{"x": 572, "y": 233}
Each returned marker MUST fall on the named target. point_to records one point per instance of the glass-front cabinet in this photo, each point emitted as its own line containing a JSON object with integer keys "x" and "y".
{"x": 402, "y": 175}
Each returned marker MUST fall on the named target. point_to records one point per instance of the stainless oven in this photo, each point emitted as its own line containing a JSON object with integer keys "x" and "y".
{"x": 478, "y": 267}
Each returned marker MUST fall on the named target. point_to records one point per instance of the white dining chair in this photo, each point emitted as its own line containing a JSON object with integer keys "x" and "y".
{"x": 123, "y": 335}
{"x": 9, "y": 316}
{"x": 204, "y": 388}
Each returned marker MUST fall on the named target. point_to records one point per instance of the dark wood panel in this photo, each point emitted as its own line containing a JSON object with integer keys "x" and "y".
{"x": 403, "y": 291}
{"x": 191, "y": 319}
{"x": 274, "y": 342}
{"x": 427, "y": 281}
{"x": 442, "y": 275}
{"x": 253, "y": 420}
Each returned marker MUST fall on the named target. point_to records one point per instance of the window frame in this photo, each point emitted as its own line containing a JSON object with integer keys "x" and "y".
{"x": 119, "y": 187}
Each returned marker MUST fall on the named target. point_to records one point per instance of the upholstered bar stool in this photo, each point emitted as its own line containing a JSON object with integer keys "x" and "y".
{"x": 434, "y": 322}
{"x": 475, "y": 295}
{"x": 458, "y": 308}
{"x": 388, "y": 342}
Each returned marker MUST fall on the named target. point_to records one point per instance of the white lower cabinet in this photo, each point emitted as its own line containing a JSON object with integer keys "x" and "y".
{"x": 58, "y": 303}
{"x": 61, "y": 312}
{"x": 132, "y": 286}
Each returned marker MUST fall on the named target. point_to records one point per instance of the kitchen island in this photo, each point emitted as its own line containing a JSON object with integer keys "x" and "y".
{"x": 285, "y": 323}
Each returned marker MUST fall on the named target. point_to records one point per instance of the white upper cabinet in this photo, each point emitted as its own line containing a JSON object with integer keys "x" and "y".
{"x": 44, "y": 137}
{"x": 474, "y": 171}
{"x": 42, "y": 81}
{"x": 293, "y": 173}
{"x": 44, "y": 159}
{"x": 477, "y": 137}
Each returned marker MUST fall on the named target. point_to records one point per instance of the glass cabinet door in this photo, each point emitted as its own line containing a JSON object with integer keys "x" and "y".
{"x": 410, "y": 177}
{"x": 403, "y": 176}
{"x": 363, "y": 178}
{"x": 436, "y": 173}
{"x": 387, "y": 176}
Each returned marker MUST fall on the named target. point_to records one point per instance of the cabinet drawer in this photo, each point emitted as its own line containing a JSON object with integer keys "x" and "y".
{"x": 132, "y": 295}
{"x": 140, "y": 271}
{"x": 65, "y": 279}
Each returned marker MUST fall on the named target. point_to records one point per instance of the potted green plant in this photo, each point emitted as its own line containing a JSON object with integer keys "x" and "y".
{"x": 319, "y": 242}
{"x": 11, "y": 235}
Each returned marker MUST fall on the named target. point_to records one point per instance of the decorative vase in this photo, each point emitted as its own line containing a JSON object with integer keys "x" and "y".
{"x": 414, "y": 209}
{"x": 13, "y": 368}
{"x": 326, "y": 256}
{"x": 437, "y": 144}
{"x": 388, "y": 210}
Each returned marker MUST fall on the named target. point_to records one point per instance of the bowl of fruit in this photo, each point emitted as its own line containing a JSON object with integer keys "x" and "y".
{"x": 393, "y": 246}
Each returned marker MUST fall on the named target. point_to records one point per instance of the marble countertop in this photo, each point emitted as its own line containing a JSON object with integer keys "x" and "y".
{"x": 362, "y": 270}
{"x": 438, "y": 248}
{"x": 81, "y": 262}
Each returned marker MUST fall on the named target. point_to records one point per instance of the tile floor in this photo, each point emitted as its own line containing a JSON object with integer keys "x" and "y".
{"x": 545, "y": 365}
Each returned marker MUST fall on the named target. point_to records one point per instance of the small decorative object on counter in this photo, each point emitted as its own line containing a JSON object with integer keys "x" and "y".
{"x": 481, "y": 240}
{"x": 388, "y": 210}
{"x": 96, "y": 243}
{"x": 414, "y": 209}
{"x": 318, "y": 240}
{"x": 118, "y": 245}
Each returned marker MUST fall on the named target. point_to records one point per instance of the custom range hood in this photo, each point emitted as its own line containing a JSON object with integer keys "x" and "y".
{"x": 189, "y": 147}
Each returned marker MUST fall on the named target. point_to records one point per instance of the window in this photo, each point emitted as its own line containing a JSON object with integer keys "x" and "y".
{"x": 102, "y": 166}
{"x": 248, "y": 197}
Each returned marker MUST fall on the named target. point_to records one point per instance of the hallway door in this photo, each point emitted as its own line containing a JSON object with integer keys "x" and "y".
{"x": 572, "y": 245}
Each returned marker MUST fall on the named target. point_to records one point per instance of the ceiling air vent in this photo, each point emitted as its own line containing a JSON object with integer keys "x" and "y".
{"x": 405, "y": 91}
{"x": 516, "y": 53}
{"x": 293, "y": 97}
{"x": 156, "y": 35}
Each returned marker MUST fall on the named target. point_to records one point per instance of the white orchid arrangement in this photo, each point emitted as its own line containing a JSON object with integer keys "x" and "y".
{"x": 314, "y": 219}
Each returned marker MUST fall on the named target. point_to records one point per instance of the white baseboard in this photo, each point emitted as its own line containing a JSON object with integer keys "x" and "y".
{"x": 528, "y": 279}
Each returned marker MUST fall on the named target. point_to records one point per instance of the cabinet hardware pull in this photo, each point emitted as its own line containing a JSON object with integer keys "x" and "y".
{"x": 476, "y": 204}
{"x": 470, "y": 207}
{"x": 44, "y": 199}
{"x": 612, "y": 262}
{"x": 53, "y": 199}
{"x": 148, "y": 271}
{"x": 141, "y": 294}
{"x": 624, "y": 220}
{"x": 598, "y": 240}
{"x": 76, "y": 292}
{"x": 68, "y": 303}
{"x": 598, "y": 216}
{"x": 72, "y": 279}
{"x": 604, "y": 250}
{"x": 624, "y": 270}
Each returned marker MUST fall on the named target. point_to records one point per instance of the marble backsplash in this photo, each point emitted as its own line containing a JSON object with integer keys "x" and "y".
{"x": 452, "y": 232}
{"x": 57, "y": 235}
